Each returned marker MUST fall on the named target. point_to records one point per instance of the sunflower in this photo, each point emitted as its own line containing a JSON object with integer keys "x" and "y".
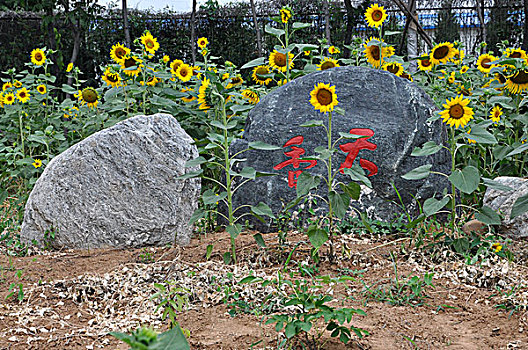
{"x": 251, "y": 95}
{"x": 1, "y": 99}
{"x": 425, "y": 64}
{"x": 515, "y": 53}
{"x": 235, "y": 81}
{"x": 37, "y": 163}
{"x": 41, "y": 89}
{"x": 111, "y": 78}
{"x": 189, "y": 97}
{"x": 327, "y": 63}
{"x": 496, "y": 247}
{"x": 204, "y": 52}
{"x": 225, "y": 76}
{"x": 451, "y": 78}
{"x": 282, "y": 82}
{"x": 38, "y": 57}
{"x": 174, "y": 65}
{"x": 483, "y": 62}
{"x": 204, "y": 93}
{"x": 394, "y": 67}
{"x": 23, "y": 95}
{"x": 128, "y": 62}
{"x": 89, "y": 96}
{"x": 184, "y": 72}
{"x": 151, "y": 81}
{"x": 407, "y": 76}
{"x": 456, "y": 112}
{"x": 458, "y": 56}
{"x": 259, "y": 72}
{"x": 7, "y": 85}
{"x": 202, "y": 43}
{"x": 518, "y": 82}
{"x": 285, "y": 14}
{"x": 442, "y": 53}
{"x": 17, "y": 84}
{"x": 375, "y": 15}
{"x": 70, "y": 67}
{"x": 277, "y": 60}
{"x": 323, "y": 97}
{"x": 9, "y": 98}
{"x": 495, "y": 114}
{"x": 151, "y": 44}
{"x": 464, "y": 69}
{"x": 118, "y": 52}
{"x": 332, "y": 50}
{"x": 372, "y": 51}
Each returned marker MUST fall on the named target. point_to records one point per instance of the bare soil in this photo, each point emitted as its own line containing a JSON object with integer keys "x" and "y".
{"x": 72, "y": 299}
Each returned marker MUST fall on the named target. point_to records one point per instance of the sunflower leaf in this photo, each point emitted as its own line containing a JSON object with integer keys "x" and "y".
{"x": 312, "y": 123}
{"x": 518, "y": 150}
{"x": 519, "y": 207}
{"x": 418, "y": 173}
{"x": 430, "y": 147}
{"x": 481, "y": 135}
{"x": 432, "y": 205}
{"x": 256, "y": 62}
{"x": 488, "y": 216}
{"x": 466, "y": 180}
{"x": 274, "y": 31}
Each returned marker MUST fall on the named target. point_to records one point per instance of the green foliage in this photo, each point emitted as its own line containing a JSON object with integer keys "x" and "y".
{"x": 148, "y": 339}
{"x": 310, "y": 310}
{"x": 399, "y": 291}
{"x": 172, "y": 299}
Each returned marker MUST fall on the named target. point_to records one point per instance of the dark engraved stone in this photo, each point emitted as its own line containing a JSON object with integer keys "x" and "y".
{"x": 392, "y": 112}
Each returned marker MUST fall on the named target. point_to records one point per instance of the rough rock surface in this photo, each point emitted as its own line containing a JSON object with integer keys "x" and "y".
{"x": 502, "y": 201}
{"x": 394, "y": 109}
{"x": 117, "y": 188}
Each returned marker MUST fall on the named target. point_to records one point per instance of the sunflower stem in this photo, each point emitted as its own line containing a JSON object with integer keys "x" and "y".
{"x": 453, "y": 189}
{"x": 330, "y": 181}
{"x": 228, "y": 180}
{"x": 144, "y": 89}
{"x": 287, "y": 40}
{"x": 20, "y": 124}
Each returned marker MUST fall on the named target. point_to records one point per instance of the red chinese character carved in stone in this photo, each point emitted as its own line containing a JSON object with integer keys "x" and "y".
{"x": 352, "y": 149}
{"x": 295, "y": 154}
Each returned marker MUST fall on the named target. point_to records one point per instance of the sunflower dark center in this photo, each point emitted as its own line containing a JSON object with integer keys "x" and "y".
{"x": 393, "y": 68}
{"x": 236, "y": 80}
{"x": 456, "y": 111}
{"x": 41, "y": 88}
{"x": 184, "y": 72}
{"x": 426, "y": 63}
{"x": 324, "y": 97}
{"x": 112, "y": 77}
{"x": 130, "y": 62}
{"x": 280, "y": 59}
{"x": 485, "y": 63}
{"x": 89, "y": 96}
{"x": 149, "y": 44}
{"x": 262, "y": 71}
{"x": 9, "y": 98}
{"x": 375, "y": 52}
{"x": 515, "y": 55}
{"x": 120, "y": 52}
{"x": 327, "y": 65}
{"x": 38, "y": 56}
{"x": 520, "y": 77}
{"x": 377, "y": 15}
{"x": 441, "y": 52}
{"x": 22, "y": 94}
{"x": 501, "y": 78}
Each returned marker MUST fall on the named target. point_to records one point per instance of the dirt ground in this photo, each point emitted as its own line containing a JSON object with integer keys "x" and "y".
{"x": 72, "y": 299}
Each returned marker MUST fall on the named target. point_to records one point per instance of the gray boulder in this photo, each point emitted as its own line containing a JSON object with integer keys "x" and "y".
{"x": 117, "y": 188}
{"x": 392, "y": 110}
{"x": 502, "y": 201}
